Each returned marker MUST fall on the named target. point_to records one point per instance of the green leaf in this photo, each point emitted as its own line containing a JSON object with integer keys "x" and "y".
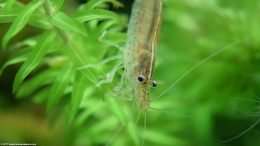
{"x": 7, "y": 17}
{"x": 95, "y": 3}
{"x": 17, "y": 58}
{"x": 9, "y": 4}
{"x": 79, "y": 86}
{"x": 58, "y": 87}
{"x": 132, "y": 131}
{"x": 57, "y": 4}
{"x": 88, "y": 111}
{"x": 106, "y": 25}
{"x": 64, "y": 22}
{"x": 114, "y": 38}
{"x": 33, "y": 60}
{"x": 22, "y": 50}
{"x": 84, "y": 16}
{"x": 101, "y": 125}
{"x": 160, "y": 138}
{"x": 30, "y": 86}
{"x": 36, "y": 19}
{"x": 20, "y": 21}
{"x": 116, "y": 108}
{"x": 41, "y": 96}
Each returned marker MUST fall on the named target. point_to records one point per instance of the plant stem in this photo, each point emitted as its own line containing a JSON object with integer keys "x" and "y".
{"x": 49, "y": 12}
{"x": 66, "y": 39}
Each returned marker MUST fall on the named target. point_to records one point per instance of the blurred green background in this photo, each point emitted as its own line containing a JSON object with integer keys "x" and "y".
{"x": 214, "y": 102}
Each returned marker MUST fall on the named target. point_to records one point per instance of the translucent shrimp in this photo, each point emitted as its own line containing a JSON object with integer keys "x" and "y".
{"x": 140, "y": 49}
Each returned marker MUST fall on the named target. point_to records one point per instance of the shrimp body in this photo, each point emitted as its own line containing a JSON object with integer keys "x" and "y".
{"x": 140, "y": 49}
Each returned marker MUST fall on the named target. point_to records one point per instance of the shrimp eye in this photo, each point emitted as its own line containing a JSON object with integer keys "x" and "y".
{"x": 154, "y": 83}
{"x": 140, "y": 78}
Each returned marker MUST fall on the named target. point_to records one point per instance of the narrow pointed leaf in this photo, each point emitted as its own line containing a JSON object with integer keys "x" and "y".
{"x": 117, "y": 109}
{"x": 114, "y": 38}
{"x": 132, "y": 131}
{"x": 57, "y": 4}
{"x": 95, "y": 3}
{"x": 7, "y": 17}
{"x": 36, "y": 19}
{"x": 98, "y": 14}
{"x": 79, "y": 86}
{"x": 160, "y": 138}
{"x": 11, "y": 62}
{"x": 18, "y": 57}
{"x": 41, "y": 96}
{"x": 64, "y": 22}
{"x": 33, "y": 60}
{"x": 30, "y": 86}
{"x": 9, "y": 4}
{"x": 88, "y": 112}
{"x": 58, "y": 88}
{"x": 20, "y": 21}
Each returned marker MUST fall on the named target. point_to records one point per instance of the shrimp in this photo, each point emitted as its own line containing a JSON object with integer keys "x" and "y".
{"x": 140, "y": 53}
{"x": 140, "y": 50}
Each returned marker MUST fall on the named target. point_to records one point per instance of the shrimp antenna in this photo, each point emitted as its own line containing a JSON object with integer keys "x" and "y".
{"x": 199, "y": 64}
{"x": 145, "y": 114}
{"x": 243, "y": 133}
{"x": 166, "y": 112}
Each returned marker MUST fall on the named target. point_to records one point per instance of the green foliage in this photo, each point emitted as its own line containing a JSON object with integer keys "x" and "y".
{"x": 33, "y": 60}
{"x": 77, "y": 95}
{"x": 77, "y": 45}
{"x": 59, "y": 86}
{"x": 64, "y": 22}
{"x": 21, "y": 21}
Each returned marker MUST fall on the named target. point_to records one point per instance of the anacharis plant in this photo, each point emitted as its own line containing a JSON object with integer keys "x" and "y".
{"x": 63, "y": 49}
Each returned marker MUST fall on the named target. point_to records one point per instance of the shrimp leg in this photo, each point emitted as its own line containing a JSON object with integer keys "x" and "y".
{"x": 110, "y": 75}
{"x": 105, "y": 61}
